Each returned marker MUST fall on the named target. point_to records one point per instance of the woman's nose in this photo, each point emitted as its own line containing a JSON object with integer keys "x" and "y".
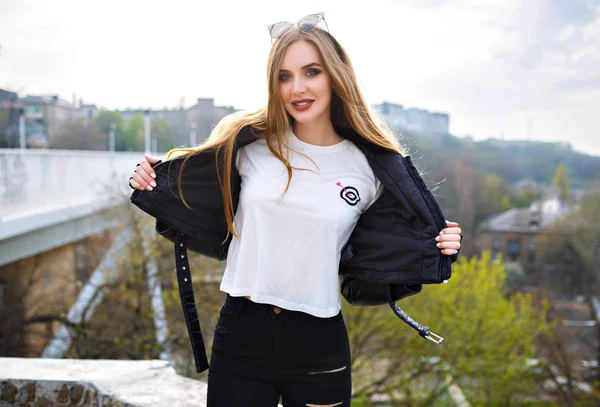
{"x": 299, "y": 86}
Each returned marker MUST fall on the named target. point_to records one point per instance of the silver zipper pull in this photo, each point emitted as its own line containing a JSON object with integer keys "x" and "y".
{"x": 434, "y": 338}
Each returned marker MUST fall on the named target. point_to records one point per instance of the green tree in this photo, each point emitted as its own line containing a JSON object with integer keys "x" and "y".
{"x": 489, "y": 340}
{"x": 495, "y": 190}
{"x": 163, "y": 134}
{"x": 569, "y": 251}
{"x": 105, "y": 119}
{"x": 572, "y": 246}
{"x": 492, "y": 196}
{"x": 78, "y": 134}
{"x": 561, "y": 181}
{"x": 464, "y": 187}
{"x": 525, "y": 197}
{"x": 122, "y": 326}
{"x": 585, "y": 226}
{"x": 133, "y": 137}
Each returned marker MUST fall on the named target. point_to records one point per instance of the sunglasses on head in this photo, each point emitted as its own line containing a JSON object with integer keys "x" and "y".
{"x": 305, "y": 24}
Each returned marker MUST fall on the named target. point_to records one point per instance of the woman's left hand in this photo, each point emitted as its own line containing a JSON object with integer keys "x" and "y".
{"x": 449, "y": 239}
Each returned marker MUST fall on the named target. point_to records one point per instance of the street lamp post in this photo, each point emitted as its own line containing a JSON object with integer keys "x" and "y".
{"x": 111, "y": 137}
{"x": 192, "y": 134}
{"x": 22, "y": 142}
{"x": 147, "y": 146}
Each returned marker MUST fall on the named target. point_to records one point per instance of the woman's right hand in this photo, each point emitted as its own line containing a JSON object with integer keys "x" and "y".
{"x": 143, "y": 177}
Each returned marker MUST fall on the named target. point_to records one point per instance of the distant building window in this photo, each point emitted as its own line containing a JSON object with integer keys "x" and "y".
{"x": 531, "y": 250}
{"x": 33, "y": 110}
{"x": 513, "y": 250}
{"x": 496, "y": 243}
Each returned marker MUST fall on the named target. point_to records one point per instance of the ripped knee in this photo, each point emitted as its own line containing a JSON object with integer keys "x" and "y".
{"x": 331, "y": 371}
{"x": 341, "y": 369}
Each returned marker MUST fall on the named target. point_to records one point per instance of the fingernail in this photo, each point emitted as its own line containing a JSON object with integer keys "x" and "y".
{"x": 455, "y": 251}
{"x": 153, "y": 183}
{"x": 437, "y": 238}
{"x": 149, "y": 188}
{"x": 438, "y": 245}
{"x": 153, "y": 175}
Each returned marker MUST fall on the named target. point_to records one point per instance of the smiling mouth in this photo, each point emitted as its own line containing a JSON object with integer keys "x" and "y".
{"x": 301, "y": 105}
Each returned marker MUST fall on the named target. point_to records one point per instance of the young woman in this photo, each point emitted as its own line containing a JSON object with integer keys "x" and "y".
{"x": 286, "y": 186}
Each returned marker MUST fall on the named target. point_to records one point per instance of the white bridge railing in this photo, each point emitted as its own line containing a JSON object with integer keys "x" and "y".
{"x": 34, "y": 181}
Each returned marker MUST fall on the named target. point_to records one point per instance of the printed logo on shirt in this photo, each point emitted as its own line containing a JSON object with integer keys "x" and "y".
{"x": 349, "y": 194}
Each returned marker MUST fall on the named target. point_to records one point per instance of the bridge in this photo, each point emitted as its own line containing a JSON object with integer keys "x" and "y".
{"x": 50, "y": 199}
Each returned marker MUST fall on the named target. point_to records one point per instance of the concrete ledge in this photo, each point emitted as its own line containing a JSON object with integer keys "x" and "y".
{"x": 49, "y": 216}
{"x": 25, "y": 237}
{"x": 147, "y": 383}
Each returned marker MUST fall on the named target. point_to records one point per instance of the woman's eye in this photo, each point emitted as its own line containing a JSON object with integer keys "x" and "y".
{"x": 284, "y": 77}
{"x": 313, "y": 72}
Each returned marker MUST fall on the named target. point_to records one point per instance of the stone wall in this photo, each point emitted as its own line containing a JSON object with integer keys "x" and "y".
{"x": 39, "y": 289}
{"x": 96, "y": 383}
{"x": 45, "y": 393}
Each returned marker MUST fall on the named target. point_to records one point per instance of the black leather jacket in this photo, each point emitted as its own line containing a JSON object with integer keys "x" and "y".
{"x": 390, "y": 253}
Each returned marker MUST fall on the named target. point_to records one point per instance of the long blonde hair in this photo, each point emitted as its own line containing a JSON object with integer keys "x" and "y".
{"x": 348, "y": 110}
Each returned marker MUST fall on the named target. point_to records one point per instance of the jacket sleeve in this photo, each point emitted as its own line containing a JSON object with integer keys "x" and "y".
{"x": 201, "y": 216}
{"x": 361, "y": 292}
{"x": 394, "y": 240}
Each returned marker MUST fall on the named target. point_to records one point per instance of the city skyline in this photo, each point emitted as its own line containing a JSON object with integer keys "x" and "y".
{"x": 499, "y": 69}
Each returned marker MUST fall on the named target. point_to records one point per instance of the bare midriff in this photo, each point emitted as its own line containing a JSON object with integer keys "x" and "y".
{"x": 248, "y": 297}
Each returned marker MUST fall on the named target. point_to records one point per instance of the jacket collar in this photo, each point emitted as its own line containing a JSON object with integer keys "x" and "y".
{"x": 246, "y": 136}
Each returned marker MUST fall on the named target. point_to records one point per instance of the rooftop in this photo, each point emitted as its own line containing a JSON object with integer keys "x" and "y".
{"x": 539, "y": 215}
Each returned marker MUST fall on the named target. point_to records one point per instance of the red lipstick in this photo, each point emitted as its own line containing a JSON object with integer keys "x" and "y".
{"x": 302, "y": 104}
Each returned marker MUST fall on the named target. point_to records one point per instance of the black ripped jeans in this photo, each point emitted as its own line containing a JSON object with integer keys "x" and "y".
{"x": 261, "y": 353}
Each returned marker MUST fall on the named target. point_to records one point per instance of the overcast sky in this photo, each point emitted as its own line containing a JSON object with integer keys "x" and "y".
{"x": 501, "y": 68}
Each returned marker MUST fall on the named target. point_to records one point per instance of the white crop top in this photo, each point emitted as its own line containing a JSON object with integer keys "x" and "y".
{"x": 288, "y": 252}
